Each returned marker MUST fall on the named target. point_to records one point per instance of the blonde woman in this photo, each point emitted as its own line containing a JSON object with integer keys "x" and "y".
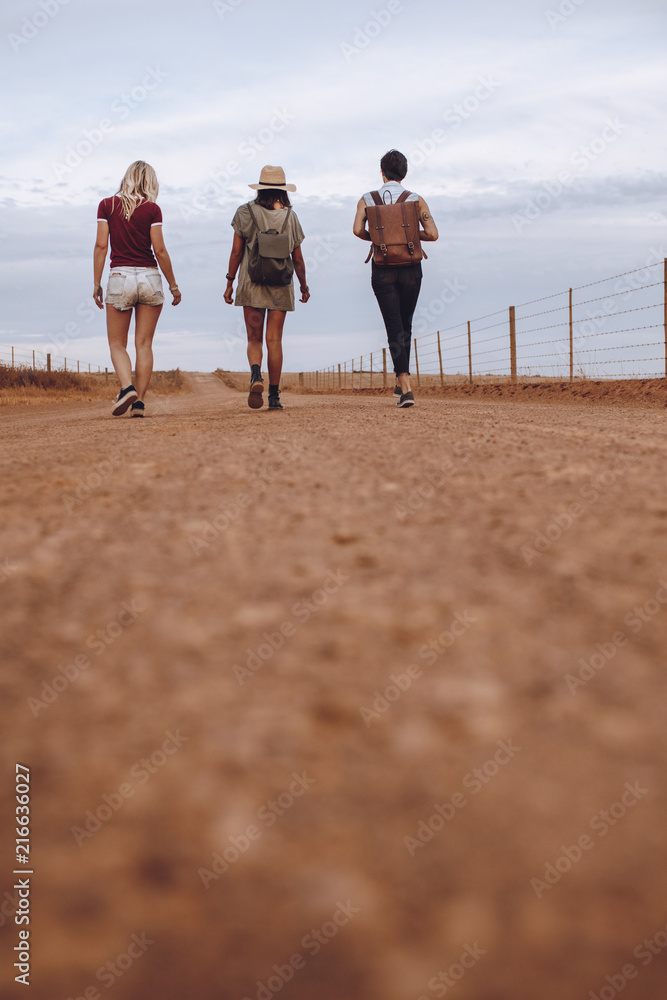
{"x": 133, "y": 221}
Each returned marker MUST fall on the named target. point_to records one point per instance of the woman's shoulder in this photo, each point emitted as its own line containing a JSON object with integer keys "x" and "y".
{"x": 243, "y": 211}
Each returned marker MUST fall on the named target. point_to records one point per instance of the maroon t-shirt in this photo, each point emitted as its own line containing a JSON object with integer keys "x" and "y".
{"x": 130, "y": 238}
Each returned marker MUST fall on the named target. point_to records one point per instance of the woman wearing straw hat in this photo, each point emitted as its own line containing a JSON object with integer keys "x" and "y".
{"x": 268, "y": 294}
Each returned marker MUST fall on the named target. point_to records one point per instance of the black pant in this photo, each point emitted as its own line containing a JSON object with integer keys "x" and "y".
{"x": 397, "y": 291}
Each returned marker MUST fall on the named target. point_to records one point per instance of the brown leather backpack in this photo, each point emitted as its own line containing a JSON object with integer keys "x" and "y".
{"x": 394, "y": 230}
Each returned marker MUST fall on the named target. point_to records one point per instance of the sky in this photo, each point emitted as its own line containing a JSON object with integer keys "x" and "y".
{"x": 554, "y": 104}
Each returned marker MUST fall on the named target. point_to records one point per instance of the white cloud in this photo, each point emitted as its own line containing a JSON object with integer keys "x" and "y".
{"x": 552, "y": 91}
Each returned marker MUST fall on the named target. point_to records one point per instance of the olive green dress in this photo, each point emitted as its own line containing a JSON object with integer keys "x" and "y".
{"x": 247, "y": 292}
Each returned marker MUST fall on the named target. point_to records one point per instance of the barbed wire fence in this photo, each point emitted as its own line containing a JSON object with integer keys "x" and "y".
{"x": 621, "y": 333}
{"x": 19, "y": 357}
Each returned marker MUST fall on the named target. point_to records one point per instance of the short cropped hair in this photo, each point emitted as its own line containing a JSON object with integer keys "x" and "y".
{"x": 394, "y": 165}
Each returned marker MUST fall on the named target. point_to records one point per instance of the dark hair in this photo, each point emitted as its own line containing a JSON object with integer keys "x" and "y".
{"x": 394, "y": 165}
{"x": 267, "y": 196}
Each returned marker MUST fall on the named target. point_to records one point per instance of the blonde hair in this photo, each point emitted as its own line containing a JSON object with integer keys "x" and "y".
{"x": 139, "y": 184}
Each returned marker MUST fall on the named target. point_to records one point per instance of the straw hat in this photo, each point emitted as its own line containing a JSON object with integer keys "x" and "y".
{"x": 272, "y": 177}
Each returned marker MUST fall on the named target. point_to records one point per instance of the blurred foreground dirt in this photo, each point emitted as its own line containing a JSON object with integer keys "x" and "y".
{"x": 337, "y": 703}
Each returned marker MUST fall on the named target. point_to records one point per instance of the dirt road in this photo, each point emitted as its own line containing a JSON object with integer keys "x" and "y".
{"x": 337, "y": 703}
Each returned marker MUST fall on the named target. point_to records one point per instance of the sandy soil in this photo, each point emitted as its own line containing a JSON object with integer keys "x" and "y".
{"x": 308, "y": 702}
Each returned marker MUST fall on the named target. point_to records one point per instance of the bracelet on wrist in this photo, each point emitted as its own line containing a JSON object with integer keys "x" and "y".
{"x": 173, "y": 288}
{"x": 230, "y": 277}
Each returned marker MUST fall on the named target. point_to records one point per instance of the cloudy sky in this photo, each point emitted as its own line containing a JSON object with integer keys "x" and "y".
{"x": 500, "y": 107}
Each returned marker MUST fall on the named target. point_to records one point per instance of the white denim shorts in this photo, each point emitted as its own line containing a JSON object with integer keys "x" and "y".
{"x": 132, "y": 286}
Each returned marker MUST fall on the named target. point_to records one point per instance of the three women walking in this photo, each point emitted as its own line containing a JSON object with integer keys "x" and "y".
{"x": 132, "y": 220}
{"x": 265, "y": 256}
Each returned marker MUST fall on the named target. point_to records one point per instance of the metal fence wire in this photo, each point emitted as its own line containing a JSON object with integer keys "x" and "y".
{"x": 613, "y": 328}
{"x": 18, "y": 357}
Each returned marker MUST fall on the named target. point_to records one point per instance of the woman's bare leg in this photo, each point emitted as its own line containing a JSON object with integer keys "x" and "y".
{"x": 274, "y": 344}
{"x": 404, "y": 382}
{"x": 118, "y": 325}
{"x": 254, "y": 324}
{"x": 146, "y": 318}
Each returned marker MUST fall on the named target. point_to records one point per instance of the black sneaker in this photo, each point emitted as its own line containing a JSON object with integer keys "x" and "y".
{"x": 124, "y": 400}
{"x": 274, "y": 401}
{"x": 407, "y": 399}
{"x": 255, "y": 396}
{"x": 397, "y": 390}
{"x": 138, "y": 409}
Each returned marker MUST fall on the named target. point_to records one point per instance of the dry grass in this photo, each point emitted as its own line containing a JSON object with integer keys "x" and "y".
{"x": 20, "y": 386}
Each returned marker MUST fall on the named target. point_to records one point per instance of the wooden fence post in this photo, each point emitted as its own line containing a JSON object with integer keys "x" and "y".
{"x": 361, "y": 371}
{"x": 65, "y": 360}
{"x": 106, "y": 374}
{"x": 33, "y": 360}
{"x": 512, "y": 344}
{"x": 442, "y": 376}
{"x": 48, "y": 362}
{"x": 78, "y": 368}
{"x": 384, "y": 367}
{"x": 371, "y": 369}
{"x": 12, "y": 357}
{"x": 469, "y": 354}
{"x": 571, "y": 341}
{"x": 665, "y": 309}
{"x": 339, "y": 382}
{"x": 417, "y": 362}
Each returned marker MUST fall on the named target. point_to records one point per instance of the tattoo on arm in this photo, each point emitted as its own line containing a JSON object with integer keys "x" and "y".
{"x": 425, "y": 216}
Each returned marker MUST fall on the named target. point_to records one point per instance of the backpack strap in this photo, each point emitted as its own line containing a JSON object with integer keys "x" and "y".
{"x": 375, "y": 195}
{"x": 404, "y": 195}
{"x": 252, "y": 216}
{"x": 289, "y": 212}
